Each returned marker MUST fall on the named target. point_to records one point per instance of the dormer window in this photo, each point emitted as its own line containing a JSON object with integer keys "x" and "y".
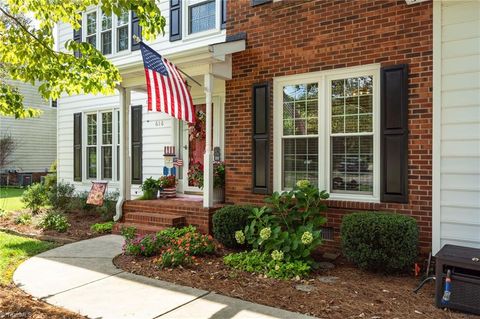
{"x": 108, "y": 33}
{"x": 201, "y": 16}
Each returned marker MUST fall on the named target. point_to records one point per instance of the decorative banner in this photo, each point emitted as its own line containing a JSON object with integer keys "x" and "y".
{"x": 97, "y": 193}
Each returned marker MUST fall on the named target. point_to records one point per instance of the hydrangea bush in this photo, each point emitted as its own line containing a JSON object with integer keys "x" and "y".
{"x": 286, "y": 230}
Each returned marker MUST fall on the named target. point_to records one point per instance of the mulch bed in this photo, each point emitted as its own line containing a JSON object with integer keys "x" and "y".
{"x": 16, "y": 304}
{"x": 352, "y": 294}
{"x": 80, "y": 227}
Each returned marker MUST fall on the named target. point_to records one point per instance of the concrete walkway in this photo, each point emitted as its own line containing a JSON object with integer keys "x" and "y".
{"x": 82, "y": 278}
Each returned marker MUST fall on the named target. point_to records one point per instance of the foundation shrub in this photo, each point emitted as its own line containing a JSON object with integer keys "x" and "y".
{"x": 34, "y": 197}
{"x": 383, "y": 242}
{"x": 229, "y": 219}
{"x": 60, "y": 196}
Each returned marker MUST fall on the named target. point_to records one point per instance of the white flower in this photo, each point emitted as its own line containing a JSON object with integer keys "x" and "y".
{"x": 303, "y": 183}
{"x": 307, "y": 238}
{"x": 277, "y": 255}
{"x": 265, "y": 233}
{"x": 240, "y": 237}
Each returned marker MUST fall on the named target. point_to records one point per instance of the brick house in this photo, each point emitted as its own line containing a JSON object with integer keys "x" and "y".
{"x": 344, "y": 51}
{"x": 347, "y": 94}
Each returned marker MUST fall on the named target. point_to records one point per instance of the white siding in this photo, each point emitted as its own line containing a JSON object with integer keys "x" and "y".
{"x": 35, "y": 138}
{"x": 162, "y": 44}
{"x": 457, "y": 207}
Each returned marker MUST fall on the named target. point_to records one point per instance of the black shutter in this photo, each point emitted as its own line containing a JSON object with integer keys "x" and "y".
{"x": 77, "y": 147}
{"x": 77, "y": 37}
{"x": 394, "y": 133}
{"x": 136, "y": 30}
{"x": 224, "y": 14}
{"x": 260, "y": 151}
{"x": 137, "y": 144}
{"x": 175, "y": 20}
{"x": 259, "y": 2}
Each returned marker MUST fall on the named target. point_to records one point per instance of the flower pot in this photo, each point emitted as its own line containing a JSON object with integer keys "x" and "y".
{"x": 218, "y": 195}
{"x": 169, "y": 192}
{"x": 150, "y": 194}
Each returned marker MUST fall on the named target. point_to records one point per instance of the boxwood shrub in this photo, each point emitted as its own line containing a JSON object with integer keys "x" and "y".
{"x": 227, "y": 220}
{"x": 383, "y": 242}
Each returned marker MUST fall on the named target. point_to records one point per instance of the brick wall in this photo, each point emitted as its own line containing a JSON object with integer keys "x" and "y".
{"x": 293, "y": 37}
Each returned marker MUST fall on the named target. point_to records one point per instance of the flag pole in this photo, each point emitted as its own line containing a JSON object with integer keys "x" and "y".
{"x": 137, "y": 40}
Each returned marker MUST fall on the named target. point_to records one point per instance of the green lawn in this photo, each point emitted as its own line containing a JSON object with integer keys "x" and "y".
{"x": 14, "y": 250}
{"x": 10, "y": 198}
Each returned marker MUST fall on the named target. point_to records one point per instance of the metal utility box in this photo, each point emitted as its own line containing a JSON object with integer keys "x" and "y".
{"x": 464, "y": 264}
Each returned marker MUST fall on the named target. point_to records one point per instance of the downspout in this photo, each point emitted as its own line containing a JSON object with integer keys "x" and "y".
{"x": 123, "y": 152}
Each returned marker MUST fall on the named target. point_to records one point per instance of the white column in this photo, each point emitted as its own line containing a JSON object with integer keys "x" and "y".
{"x": 125, "y": 186}
{"x": 208, "y": 157}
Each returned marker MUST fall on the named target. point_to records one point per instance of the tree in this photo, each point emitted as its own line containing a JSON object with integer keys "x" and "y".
{"x": 27, "y": 52}
{"x": 7, "y": 147}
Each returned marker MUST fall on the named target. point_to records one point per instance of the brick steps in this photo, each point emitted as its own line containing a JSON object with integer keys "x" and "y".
{"x": 151, "y": 216}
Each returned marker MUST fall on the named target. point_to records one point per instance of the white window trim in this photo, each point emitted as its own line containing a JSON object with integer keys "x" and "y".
{"x": 114, "y": 29}
{"x": 323, "y": 78}
{"x": 186, "y": 21}
{"x": 115, "y": 179}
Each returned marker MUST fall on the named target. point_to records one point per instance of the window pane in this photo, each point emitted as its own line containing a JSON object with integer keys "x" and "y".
{"x": 92, "y": 129}
{"x": 122, "y": 38}
{"x": 107, "y": 42}
{"x": 106, "y": 21}
{"x": 300, "y": 161}
{"x": 352, "y": 114}
{"x": 352, "y": 164}
{"x": 106, "y": 162}
{"x": 300, "y": 109}
{"x": 107, "y": 128}
{"x": 91, "y": 162}
{"x": 92, "y": 40}
{"x": 91, "y": 23}
{"x": 202, "y": 17}
{"x": 122, "y": 19}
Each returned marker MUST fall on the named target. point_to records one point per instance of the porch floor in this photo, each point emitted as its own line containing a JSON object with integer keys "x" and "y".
{"x": 151, "y": 216}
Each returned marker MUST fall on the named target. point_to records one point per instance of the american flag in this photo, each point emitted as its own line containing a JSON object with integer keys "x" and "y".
{"x": 167, "y": 91}
{"x": 178, "y": 162}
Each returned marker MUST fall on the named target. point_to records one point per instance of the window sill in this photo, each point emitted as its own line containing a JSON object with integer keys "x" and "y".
{"x": 195, "y": 36}
{"x": 350, "y": 203}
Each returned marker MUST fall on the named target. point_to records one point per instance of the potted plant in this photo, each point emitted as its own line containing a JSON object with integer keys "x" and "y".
{"x": 195, "y": 177}
{"x": 150, "y": 188}
{"x": 168, "y": 186}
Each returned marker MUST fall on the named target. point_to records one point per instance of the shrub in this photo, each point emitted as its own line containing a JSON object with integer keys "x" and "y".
{"x": 23, "y": 219}
{"x": 290, "y": 223}
{"x": 54, "y": 220}
{"x": 79, "y": 202}
{"x": 60, "y": 196}
{"x": 384, "y": 242}
{"x": 4, "y": 214}
{"x": 272, "y": 265}
{"x": 102, "y": 228}
{"x": 227, "y": 220}
{"x": 34, "y": 197}
{"x": 51, "y": 178}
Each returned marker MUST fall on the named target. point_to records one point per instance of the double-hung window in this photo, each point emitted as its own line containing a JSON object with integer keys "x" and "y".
{"x": 326, "y": 131}
{"x": 108, "y": 33}
{"x": 91, "y": 35}
{"x": 91, "y": 146}
{"x": 103, "y": 145}
{"x": 202, "y": 16}
{"x": 122, "y": 31}
{"x": 107, "y": 145}
{"x": 106, "y": 36}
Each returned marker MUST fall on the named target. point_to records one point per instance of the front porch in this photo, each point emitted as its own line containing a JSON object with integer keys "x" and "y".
{"x": 151, "y": 216}
{"x": 208, "y": 68}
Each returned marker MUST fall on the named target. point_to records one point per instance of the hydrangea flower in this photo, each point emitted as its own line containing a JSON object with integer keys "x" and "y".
{"x": 277, "y": 255}
{"x": 303, "y": 183}
{"x": 307, "y": 238}
{"x": 240, "y": 237}
{"x": 265, "y": 233}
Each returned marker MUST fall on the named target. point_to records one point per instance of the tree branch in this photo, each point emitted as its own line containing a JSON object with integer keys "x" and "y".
{"x": 25, "y": 29}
